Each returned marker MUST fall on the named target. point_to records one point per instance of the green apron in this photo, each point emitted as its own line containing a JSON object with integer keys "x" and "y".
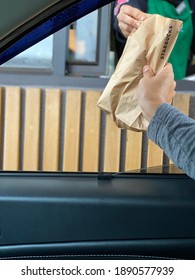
{"x": 180, "y": 54}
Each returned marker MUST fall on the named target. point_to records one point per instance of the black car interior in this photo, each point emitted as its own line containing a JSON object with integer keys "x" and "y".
{"x": 96, "y": 216}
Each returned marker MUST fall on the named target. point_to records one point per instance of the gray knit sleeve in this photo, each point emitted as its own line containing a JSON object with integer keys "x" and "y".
{"x": 174, "y": 132}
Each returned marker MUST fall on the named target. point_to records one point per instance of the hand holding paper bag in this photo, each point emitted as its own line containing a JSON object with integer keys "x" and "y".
{"x": 152, "y": 44}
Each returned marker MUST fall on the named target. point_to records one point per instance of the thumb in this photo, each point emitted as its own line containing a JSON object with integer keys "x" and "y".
{"x": 147, "y": 71}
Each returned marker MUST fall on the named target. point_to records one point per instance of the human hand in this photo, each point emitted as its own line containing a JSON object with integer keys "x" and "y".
{"x": 153, "y": 90}
{"x": 129, "y": 18}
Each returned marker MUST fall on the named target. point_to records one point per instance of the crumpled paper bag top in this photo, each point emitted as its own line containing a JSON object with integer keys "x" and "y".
{"x": 151, "y": 44}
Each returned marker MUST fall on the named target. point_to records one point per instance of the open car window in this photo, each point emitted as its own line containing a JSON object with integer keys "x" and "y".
{"x": 42, "y": 19}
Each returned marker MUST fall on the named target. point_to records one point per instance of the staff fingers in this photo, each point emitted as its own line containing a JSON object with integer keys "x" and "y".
{"x": 133, "y": 12}
{"x": 125, "y": 28}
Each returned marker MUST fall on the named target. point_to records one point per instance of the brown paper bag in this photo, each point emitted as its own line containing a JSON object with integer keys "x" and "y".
{"x": 152, "y": 44}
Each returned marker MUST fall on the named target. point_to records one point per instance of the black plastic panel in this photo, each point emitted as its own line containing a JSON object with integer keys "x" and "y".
{"x": 64, "y": 208}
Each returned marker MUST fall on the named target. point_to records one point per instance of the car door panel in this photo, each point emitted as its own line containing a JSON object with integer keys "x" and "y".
{"x": 72, "y": 214}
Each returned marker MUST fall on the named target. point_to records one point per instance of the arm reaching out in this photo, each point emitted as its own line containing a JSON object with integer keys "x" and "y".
{"x": 170, "y": 129}
{"x": 174, "y": 132}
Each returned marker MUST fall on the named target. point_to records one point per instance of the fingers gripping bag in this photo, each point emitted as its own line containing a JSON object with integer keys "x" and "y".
{"x": 152, "y": 44}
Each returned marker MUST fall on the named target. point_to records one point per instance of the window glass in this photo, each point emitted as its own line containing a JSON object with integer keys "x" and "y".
{"x": 38, "y": 56}
{"x": 83, "y": 36}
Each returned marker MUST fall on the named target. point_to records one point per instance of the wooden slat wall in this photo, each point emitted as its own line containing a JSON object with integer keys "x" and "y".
{"x": 112, "y": 147}
{"x": 54, "y": 130}
{"x": 182, "y": 102}
{"x": 91, "y": 145}
{"x": 11, "y": 155}
{"x": 155, "y": 155}
{"x": 72, "y": 130}
{"x": 51, "y": 144}
{"x": 133, "y": 150}
{"x": 32, "y": 129}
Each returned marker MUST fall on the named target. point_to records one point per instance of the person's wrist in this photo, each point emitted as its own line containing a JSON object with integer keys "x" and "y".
{"x": 150, "y": 110}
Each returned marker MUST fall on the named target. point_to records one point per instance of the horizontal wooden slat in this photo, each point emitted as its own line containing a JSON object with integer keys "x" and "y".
{"x": 32, "y": 129}
{"x": 72, "y": 130}
{"x": 12, "y": 129}
{"x": 52, "y": 130}
{"x": 91, "y": 132}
